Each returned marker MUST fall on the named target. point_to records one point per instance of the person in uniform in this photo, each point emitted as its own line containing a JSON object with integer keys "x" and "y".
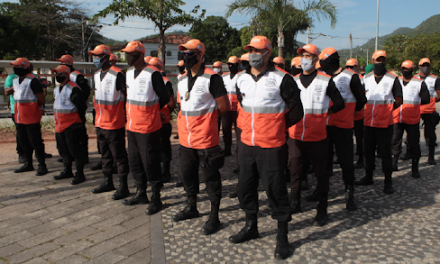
{"x": 279, "y": 62}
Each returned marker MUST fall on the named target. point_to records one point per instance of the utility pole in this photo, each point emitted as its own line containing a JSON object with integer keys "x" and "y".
{"x": 351, "y": 46}
{"x": 367, "y": 57}
{"x": 377, "y": 24}
{"x": 308, "y": 33}
{"x": 82, "y": 33}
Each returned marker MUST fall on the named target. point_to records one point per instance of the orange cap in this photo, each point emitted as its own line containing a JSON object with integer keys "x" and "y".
{"x": 279, "y": 60}
{"x": 113, "y": 58}
{"x": 296, "y": 61}
{"x": 21, "y": 61}
{"x": 245, "y": 57}
{"x": 180, "y": 64}
{"x": 233, "y": 59}
{"x": 101, "y": 49}
{"x": 327, "y": 52}
{"x": 147, "y": 59}
{"x": 217, "y": 64}
{"x": 193, "y": 44}
{"x": 133, "y": 46}
{"x": 155, "y": 61}
{"x": 61, "y": 69}
{"x": 379, "y": 53}
{"x": 310, "y": 48}
{"x": 259, "y": 42}
{"x": 352, "y": 62}
{"x": 407, "y": 64}
{"x": 317, "y": 65}
{"x": 424, "y": 60}
{"x": 66, "y": 59}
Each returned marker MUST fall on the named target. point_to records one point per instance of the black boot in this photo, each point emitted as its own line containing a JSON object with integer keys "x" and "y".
{"x": 79, "y": 178}
{"x": 350, "y": 203}
{"x": 407, "y": 155}
{"x": 140, "y": 197}
{"x": 415, "y": 168}
{"x": 388, "y": 184}
{"x": 21, "y": 159}
{"x": 360, "y": 163}
{"x": 282, "y": 250}
{"x": 394, "y": 162}
{"x": 166, "y": 175}
{"x": 98, "y": 166}
{"x": 107, "y": 185}
{"x": 295, "y": 202}
{"x": 27, "y": 166}
{"x": 155, "y": 204}
{"x": 321, "y": 215}
{"x": 42, "y": 170}
{"x": 249, "y": 231}
{"x": 122, "y": 191}
{"x": 60, "y": 159}
{"x": 213, "y": 223}
{"x": 227, "y": 152}
{"x": 366, "y": 180}
{"x": 431, "y": 159}
{"x": 190, "y": 211}
{"x": 305, "y": 183}
{"x": 66, "y": 173}
{"x": 313, "y": 197}
{"x": 179, "y": 184}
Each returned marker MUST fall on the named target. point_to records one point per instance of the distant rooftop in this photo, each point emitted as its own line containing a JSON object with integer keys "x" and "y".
{"x": 171, "y": 39}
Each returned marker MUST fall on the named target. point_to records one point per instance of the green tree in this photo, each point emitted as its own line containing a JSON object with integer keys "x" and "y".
{"x": 163, "y": 13}
{"x": 219, "y": 38}
{"x": 283, "y": 13}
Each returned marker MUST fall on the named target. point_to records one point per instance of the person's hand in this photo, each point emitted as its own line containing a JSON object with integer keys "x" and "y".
{"x": 163, "y": 117}
{"x": 9, "y": 91}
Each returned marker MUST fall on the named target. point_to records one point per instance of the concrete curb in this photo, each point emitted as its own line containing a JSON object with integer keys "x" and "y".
{"x": 157, "y": 242}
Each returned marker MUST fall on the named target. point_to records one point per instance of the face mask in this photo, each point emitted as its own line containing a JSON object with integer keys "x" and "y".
{"x": 307, "y": 64}
{"x": 330, "y": 64}
{"x": 295, "y": 71}
{"x": 380, "y": 69}
{"x": 98, "y": 63}
{"x": 190, "y": 61}
{"x": 256, "y": 60}
{"x": 217, "y": 70}
{"x": 181, "y": 69}
{"x": 131, "y": 59}
{"x": 233, "y": 68}
{"x": 425, "y": 70}
{"x": 21, "y": 72}
{"x": 244, "y": 65}
{"x": 60, "y": 79}
{"x": 407, "y": 74}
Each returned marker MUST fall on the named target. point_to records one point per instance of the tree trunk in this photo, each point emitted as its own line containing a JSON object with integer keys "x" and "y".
{"x": 280, "y": 42}
{"x": 161, "y": 49}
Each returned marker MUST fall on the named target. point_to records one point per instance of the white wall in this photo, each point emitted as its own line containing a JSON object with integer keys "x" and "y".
{"x": 170, "y": 60}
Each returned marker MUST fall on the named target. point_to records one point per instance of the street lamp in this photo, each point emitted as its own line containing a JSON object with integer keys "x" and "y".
{"x": 377, "y": 24}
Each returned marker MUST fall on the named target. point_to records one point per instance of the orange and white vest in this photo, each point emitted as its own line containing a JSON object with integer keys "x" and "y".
{"x": 66, "y": 113}
{"x": 109, "y": 103}
{"x": 345, "y": 117}
{"x": 409, "y": 111}
{"x": 142, "y": 103}
{"x": 315, "y": 101}
{"x": 74, "y": 75}
{"x": 261, "y": 116}
{"x": 231, "y": 89}
{"x": 197, "y": 120}
{"x": 26, "y": 106}
{"x": 165, "y": 110}
{"x": 380, "y": 101}
{"x": 430, "y": 82}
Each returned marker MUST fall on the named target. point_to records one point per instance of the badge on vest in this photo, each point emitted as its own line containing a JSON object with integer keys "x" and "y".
{"x": 270, "y": 83}
{"x": 199, "y": 89}
{"x": 108, "y": 86}
{"x": 186, "y": 96}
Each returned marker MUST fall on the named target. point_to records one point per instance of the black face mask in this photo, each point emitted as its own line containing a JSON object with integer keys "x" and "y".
{"x": 190, "y": 61}
{"x": 233, "y": 68}
{"x": 244, "y": 65}
{"x": 407, "y": 74}
{"x": 60, "y": 78}
{"x": 380, "y": 69}
{"x": 131, "y": 59}
{"x": 331, "y": 64}
{"x": 21, "y": 72}
{"x": 295, "y": 71}
{"x": 181, "y": 69}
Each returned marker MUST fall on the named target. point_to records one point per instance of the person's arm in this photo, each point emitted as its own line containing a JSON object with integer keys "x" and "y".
{"x": 291, "y": 95}
{"x": 336, "y": 97}
{"x": 159, "y": 88}
{"x": 239, "y": 96}
{"x": 172, "y": 102}
{"x": 437, "y": 89}
{"x": 37, "y": 89}
{"x": 397, "y": 93}
{"x": 218, "y": 91}
{"x": 84, "y": 85}
{"x": 425, "y": 97}
{"x": 120, "y": 83}
{"x": 77, "y": 98}
{"x": 9, "y": 85}
{"x": 358, "y": 91}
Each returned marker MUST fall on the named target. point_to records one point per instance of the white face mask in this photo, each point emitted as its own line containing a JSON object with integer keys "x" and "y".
{"x": 307, "y": 64}
{"x": 217, "y": 70}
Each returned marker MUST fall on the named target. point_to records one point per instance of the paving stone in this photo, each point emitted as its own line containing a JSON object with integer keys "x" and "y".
{"x": 36, "y": 261}
{"x": 107, "y": 258}
{"x": 74, "y": 259}
{"x": 37, "y": 251}
{"x": 41, "y": 238}
{"x": 67, "y": 250}
{"x": 10, "y": 249}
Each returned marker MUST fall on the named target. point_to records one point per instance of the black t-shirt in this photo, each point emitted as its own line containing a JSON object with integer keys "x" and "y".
{"x": 169, "y": 88}
{"x": 158, "y": 87}
{"x": 36, "y": 85}
{"x": 216, "y": 86}
{"x": 84, "y": 85}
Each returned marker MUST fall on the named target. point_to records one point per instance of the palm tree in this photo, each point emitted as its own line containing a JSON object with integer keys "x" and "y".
{"x": 283, "y": 12}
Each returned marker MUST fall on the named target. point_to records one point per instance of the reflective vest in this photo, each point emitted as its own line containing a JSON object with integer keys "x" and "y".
{"x": 165, "y": 110}
{"x": 66, "y": 113}
{"x": 409, "y": 111}
{"x": 26, "y": 109}
{"x": 345, "y": 117}
{"x": 360, "y": 114}
{"x": 74, "y": 75}
{"x": 430, "y": 82}
{"x": 197, "y": 120}
{"x": 315, "y": 101}
{"x": 109, "y": 103}
{"x": 262, "y": 113}
{"x": 142, "y": 103}
{"x": 380, "y": 100}
{"x": 231, "y": 89}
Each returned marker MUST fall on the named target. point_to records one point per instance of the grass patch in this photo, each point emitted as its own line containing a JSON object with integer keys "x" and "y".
{"x": 2, "y": 259}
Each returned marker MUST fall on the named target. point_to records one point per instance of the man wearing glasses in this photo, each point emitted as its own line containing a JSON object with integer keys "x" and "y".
{"x": 269, "y": 102}
{"x": 203, "y": 98}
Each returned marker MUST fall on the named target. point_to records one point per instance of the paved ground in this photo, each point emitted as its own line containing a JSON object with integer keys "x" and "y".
{"x": 48, "y": 221}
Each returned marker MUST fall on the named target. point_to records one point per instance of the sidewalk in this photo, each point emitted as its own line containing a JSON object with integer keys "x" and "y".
{"x": 48, "y": 221}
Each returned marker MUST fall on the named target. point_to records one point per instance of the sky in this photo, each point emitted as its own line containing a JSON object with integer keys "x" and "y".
{"x": 354, "y": 16}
